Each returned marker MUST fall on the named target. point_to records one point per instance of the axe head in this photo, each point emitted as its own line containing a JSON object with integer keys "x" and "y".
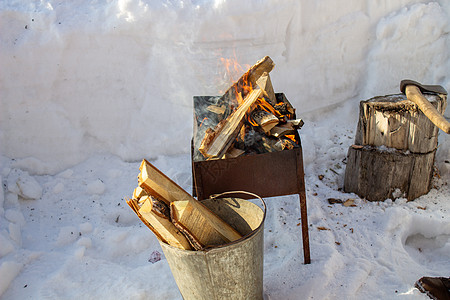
{"x": 437, "y": 89}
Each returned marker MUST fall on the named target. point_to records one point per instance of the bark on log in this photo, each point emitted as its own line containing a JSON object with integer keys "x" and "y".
{"x": 133, "y": 203}
{"x": 395, "y": 122}
{"x": 165, "y": 228}
{"x": 264, "y": 119}
{"x": 378, "y": 175}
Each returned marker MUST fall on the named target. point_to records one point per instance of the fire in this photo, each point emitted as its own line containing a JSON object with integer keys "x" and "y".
{"x": 201, "y": 123}
{"x": 291, "y": 137}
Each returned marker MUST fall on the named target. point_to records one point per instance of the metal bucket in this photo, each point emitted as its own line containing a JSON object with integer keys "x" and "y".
{"x": 230, "y": 271}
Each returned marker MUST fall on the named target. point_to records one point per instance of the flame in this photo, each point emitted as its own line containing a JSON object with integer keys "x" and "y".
{"x": 201, "y": 123}
{"x": 291, "y": 137}
{"x": 243, "y": 86}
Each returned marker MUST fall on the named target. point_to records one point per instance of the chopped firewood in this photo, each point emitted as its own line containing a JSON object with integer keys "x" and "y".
{"x": 285, "y": 143}
{"x": 220, "y": 110}
{"x": 270, "y": 144}
{"x": 160, "y": 186}
{"x": 139, "y": 192}
{"x": 265, "y": 84}
{"x": 282, "y": 129}
{"x": 133, "y": 203}
{"x": 349, "y": 202}
{"x": 159, "y": 207}
{"x": 247, "y": 80}
{"x": 297, "y": 124}
{"x": 155, "y": 183}
{"x": 162, "y": 224}
{"x": 185, "y": 214}
{"x": 216, "y": 142}
{"x": 233, "y": 153}
{"x": 264, "y": 119}
{"x": 284, "y": 108}
{"x": 334, "y": 201}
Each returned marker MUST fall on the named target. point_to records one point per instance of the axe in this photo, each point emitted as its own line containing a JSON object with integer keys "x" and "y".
{"x": 413, "y": 91}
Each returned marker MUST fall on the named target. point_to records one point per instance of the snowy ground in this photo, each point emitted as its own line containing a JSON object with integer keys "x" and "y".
{"x": 93, "y": 87}
{"x": 79, "y": 239}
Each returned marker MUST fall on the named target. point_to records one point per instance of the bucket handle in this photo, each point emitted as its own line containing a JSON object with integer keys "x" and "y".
{"x": 214, "y": 196}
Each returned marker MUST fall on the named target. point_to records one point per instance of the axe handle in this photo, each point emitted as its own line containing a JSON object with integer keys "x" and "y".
{"x": 413, "y": 94}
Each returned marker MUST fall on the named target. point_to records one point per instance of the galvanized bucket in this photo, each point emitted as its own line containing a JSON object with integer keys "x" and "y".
{"x": 230, "y": 271}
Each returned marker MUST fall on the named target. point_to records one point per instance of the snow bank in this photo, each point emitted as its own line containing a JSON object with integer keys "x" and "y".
{"x": 88, "y": 88}
{"x": 118, "y": 76}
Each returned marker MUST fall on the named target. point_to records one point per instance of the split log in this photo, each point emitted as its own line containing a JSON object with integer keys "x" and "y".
{"x": 378, "y": 175}
{"x": 233, "y": 153}
{"x": 395, "y": 122}
{"x": 139, "y": 192}
{"x": 216, "y": 142}
{"x": 264, "y": 119}
{"x": 186, "y": 216}
{"x": 265, "y": 84}
{"x": 162, "y": 224}
{"x": 297, "y": 123}
{"x": 284, "y": 107}
{"x": 133, "y": 203}
{"x": 238, "y": 89}
{"x": 219, "y": 110}
{"x": 159, "y": 185}
{"x": 283, "y": 129}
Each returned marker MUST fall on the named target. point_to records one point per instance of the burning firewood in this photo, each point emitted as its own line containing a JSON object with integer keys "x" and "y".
{"x": 199, "y": 225}
{"x": 283, "y": 129}
{"x": 249, "y": 79}
{"x": 289, "y": 128}
{"x": 265, "y": 119}
{"x": 230, "y": 126}
{"x": 216, "y": 142}
{"x": 220, "y": 110}
{"x": 265, "y": 84}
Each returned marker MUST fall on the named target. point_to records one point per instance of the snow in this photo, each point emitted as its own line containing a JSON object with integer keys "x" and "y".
{"x": 89, "y": 88}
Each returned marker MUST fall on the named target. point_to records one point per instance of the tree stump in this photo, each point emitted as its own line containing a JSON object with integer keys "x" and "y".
{"x": 394, "y": 149}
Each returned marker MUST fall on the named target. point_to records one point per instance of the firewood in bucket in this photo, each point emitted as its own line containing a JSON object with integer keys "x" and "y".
{"x": 154, "y": 212}
{"x": 160, "y": 186}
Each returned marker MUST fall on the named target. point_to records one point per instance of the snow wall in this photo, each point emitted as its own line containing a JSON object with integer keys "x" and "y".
{"x": 84, "y": 77}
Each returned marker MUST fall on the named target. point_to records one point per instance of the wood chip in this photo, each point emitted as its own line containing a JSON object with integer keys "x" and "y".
{"x": 323, "y": 228}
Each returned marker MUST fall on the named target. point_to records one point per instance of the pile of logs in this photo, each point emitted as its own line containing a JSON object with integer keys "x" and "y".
{"x": 174, "y": 216}
{"x": 248, "y": 118}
